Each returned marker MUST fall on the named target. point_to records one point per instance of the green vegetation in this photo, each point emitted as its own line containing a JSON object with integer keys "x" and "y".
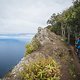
{"x": 72, "y": 70}
{"x": 42, "y": 69}
{"x": 67, "y": 23}
{"x": 33, "y": 46}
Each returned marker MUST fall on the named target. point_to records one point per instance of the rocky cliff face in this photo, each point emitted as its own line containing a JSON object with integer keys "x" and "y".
{"x": 51, "y": 45}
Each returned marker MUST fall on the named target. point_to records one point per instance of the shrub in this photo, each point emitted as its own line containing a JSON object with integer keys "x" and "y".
{"x": 33, "y": 46}
{"x": 42, "y": 69}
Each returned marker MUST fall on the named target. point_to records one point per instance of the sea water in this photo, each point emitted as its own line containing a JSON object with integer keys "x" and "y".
{"x": 12, "y": 49}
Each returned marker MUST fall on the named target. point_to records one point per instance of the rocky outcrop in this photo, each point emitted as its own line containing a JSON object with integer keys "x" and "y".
{"x": 51, "y": 45}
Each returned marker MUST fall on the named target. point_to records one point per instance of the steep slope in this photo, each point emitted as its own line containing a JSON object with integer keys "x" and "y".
{"x": 51, "y": 45}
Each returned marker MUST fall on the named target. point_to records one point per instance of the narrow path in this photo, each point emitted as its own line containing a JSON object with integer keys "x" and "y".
{"x": 76, "y": 62}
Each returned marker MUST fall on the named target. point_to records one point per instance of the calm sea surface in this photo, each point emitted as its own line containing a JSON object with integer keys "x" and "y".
{"x": 12, "y": 49}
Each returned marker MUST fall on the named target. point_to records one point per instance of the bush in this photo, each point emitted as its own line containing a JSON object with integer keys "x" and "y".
{"x": 42, "y": 69}
{"x": 33, "y": 46}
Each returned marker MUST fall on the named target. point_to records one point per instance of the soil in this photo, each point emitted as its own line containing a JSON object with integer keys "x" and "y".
{"x": 76, "y": 62}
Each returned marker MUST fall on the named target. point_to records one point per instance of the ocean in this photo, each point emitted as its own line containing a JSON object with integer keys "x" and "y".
{"x": 12, "y": 49}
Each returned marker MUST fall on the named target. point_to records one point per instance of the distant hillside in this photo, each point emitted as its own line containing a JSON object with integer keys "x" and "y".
{"x": 19, "y": 34}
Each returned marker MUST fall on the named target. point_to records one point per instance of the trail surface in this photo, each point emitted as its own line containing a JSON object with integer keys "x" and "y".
{"x": 76, "y": 62}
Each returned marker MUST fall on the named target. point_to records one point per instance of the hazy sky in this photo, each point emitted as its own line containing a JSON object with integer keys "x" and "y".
{"x": 25, "y": 16}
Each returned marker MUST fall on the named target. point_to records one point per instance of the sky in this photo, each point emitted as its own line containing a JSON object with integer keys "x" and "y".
{"x": 25, "y": 16}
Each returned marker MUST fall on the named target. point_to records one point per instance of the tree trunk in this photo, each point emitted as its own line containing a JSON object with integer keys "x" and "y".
{"x": 63, "y": 30}
{"x": 69, "y": 30}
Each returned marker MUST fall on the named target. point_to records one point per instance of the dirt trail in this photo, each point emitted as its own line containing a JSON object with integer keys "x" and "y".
{"x": 76, "y": 62}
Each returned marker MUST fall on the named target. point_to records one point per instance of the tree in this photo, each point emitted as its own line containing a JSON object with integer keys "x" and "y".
{"x": 67, "y": 23}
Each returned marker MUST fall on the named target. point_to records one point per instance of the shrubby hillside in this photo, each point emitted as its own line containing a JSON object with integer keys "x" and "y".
{"x": 66, "y": 23}
{"x": 47, "y": 58}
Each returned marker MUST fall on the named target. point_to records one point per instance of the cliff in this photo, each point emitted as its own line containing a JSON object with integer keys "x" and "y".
{"x": 52, "y": 46}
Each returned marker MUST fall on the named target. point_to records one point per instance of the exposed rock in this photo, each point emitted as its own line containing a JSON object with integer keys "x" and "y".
{"x": 51, "y": 45}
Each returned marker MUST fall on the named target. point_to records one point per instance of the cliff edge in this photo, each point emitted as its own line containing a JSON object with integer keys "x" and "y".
{"x": 51, "y": 45}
